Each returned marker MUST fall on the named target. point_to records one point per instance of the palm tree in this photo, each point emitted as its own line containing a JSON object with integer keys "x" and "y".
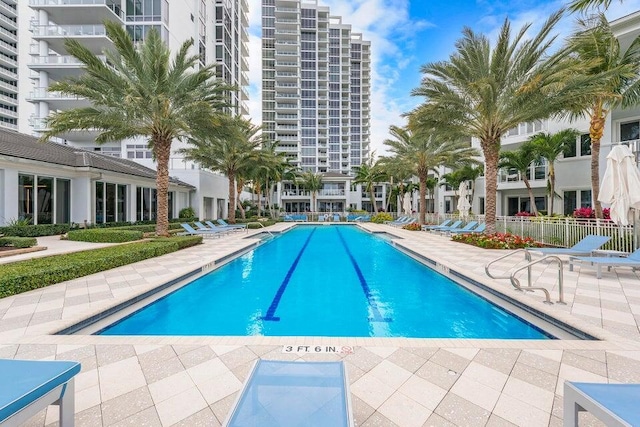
{"x": 311, "y": 182}
{"x": 369, "y": 173}
{"x": 520, "y": 160}
{"x": 140, "y": 91}
{"x": 595, "y": 44}
{"x": 228, "y": 150}
{"x": 482, "y": 91}
{"x": 431, "y": 184}
{"x": 550, "y": 147}
{"x": 422, "y": 152}
{"x": 397, "y": 173}
{"x": 584, "y": 5}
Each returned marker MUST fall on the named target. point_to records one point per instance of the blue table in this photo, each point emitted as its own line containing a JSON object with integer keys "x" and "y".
{"x": 28, "y": 386}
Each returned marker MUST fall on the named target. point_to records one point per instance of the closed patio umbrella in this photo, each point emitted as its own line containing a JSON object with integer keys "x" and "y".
{"x": 406, "y": 203}
{"x": 463, "y": 201}
{"x": 620, "y": 185}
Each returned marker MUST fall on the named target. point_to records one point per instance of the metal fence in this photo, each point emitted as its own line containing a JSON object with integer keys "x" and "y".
{"x": 563, "y": 232}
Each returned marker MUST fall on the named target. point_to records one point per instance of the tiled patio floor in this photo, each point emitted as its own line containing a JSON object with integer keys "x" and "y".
{"x": 193, "y": 381}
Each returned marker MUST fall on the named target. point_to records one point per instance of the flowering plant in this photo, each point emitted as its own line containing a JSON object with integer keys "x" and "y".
{"x": 588, "y": 212}
{"x": 497, "y": 241}
{"x": 413, "y": 227}
{"x": 525, "y": 213}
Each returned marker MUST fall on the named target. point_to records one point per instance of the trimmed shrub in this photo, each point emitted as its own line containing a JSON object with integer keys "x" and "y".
{"x": 412, "y": 227}
{"x": 37, "y": 273}
{"x": 18, "y": 242}
{"x": 187, "y": 213}
{"x": 105, "y": 235}
{"x": 35, "y": 230}
{"x": 381, "y": 217}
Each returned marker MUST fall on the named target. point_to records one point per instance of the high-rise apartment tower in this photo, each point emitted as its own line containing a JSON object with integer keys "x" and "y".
{"x": 315, "y": 86}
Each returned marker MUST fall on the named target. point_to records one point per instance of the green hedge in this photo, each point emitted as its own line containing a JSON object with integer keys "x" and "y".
{"x": 18, "y": 242}
{"x": 35, "y": 230}
{"x": 105, "y": 235}
{"x": 37, "y": 273}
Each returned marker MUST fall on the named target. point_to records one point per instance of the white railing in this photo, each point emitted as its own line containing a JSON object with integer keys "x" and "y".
{"x": 564, "y": 232}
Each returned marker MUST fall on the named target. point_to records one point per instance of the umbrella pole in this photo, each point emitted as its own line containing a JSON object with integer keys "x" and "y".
{"x": 636, "y": 230}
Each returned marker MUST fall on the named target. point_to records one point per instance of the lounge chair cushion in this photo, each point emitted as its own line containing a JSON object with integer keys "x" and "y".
{"x": 25, "y": 381}
{"x": 614, "y": 404}
{"x": 284, "y": 393}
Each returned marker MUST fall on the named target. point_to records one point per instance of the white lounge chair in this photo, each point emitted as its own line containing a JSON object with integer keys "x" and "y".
{"x": 29, "y": 386}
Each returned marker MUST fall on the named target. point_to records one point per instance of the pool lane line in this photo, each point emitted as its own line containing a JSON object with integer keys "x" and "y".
{"x": 283, "y": 286}
{"x": 377, "y": 316}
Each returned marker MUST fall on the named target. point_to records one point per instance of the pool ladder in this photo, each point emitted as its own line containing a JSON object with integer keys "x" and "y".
{"x": 261, "y": 225}
{"x": 516, "y": 283}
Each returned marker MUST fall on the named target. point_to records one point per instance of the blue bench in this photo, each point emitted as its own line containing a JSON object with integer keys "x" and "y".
{"x": 29, "y": 386}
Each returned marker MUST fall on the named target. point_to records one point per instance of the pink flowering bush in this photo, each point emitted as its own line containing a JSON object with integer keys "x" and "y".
{"x": 497, "y": 241}
{"x": 413, "y": 227}
{"x": 525, "y": 213}
{"x": 588, "y": 212}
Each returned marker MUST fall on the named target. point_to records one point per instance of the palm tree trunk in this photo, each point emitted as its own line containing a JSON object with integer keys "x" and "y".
{"x": 239, "y": 186}
{"x": 232, "y": 197}
{"x": 162, "y": 147}
{"x": 423, "y": 199}
{"x": 491, "y": 154}
{"x": 372, "y": 197}
{"x": 596, "y": 129}
{"x": 532, "y": 199}
{"x": 388, "y": 205}
{"x": 552, "y": 187}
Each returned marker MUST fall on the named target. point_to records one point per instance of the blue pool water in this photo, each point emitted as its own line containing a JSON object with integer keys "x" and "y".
{"x": 325, "y": 281}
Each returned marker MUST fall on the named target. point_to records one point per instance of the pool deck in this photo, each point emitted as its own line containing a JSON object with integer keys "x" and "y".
{"x": 193, "y": 381}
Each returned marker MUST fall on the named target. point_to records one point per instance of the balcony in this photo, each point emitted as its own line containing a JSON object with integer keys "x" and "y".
{"x": 59, "y": 66}
{"x": 38, "y": 124}
{"x": 67, "y": 12}
{"x": 510, "y": 178}
{"x": 56, "y": 100}
{"x": 331, "y": 192}
{"x": 8, "y": 49}
{"x": 8, "y": 10}
{"x": 93, "y": 37}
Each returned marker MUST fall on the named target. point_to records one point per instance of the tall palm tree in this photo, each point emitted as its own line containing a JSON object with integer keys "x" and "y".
{"x": 140, "y": 91}
{"x": 595, "y": 44}
{"x": 369, "y": 173}
{"x": 520, "y": 160}
{"x": 423, "y": 152}
{"x": 584, "y": 5}
{"x": 550, "y": 147}
{"x": 398, "y": 174}
{"x": 228, "y": 150}
{"x": 311, "y": 182}
{"x": 482, "y": 91}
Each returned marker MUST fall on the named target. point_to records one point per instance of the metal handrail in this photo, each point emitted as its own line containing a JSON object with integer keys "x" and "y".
{"x": 527, "y": 257}
{"x": 261, "y": 225}
{"x": 516, "y": 283}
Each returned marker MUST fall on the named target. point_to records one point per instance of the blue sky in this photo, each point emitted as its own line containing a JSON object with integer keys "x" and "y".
{"x": 407, "y": 34}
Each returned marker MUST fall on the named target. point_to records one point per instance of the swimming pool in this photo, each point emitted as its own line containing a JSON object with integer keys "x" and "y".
{"x": 325, "y": 281}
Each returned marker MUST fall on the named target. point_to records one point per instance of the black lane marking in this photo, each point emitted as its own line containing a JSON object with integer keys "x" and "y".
{"x": 283, "y": 286}
{"x": 377, "y": 316}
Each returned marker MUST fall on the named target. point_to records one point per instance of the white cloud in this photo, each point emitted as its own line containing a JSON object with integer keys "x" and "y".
{"x": 388, "y": 25}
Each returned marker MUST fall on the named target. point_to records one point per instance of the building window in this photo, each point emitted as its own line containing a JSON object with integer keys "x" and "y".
{"x": 63, "y": 201}
{"x": 570, "y": 203}
{"x": 111, "y": 202}
{"x": 25, "y": 197}
{"x": 630, "y": 131}
{"x": 582, "y": 147}
{"x": 45, "y": 200}
{"x": 138, "y": 151}
{"x": 51, "y": 200}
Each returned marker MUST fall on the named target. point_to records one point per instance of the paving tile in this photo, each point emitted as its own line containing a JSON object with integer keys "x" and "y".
{"x": 91, "y": 417}
{"x": 529, "y": 393}
{"x": 477, "y": 393}
{"x": 449, "y": 360}
{"x": 422, "y": 391}
{"x": 547, "y": 361}
{"x": 180, "y": 406}
{"x": 436, "y": 420}
{"x": 156, "y": 356}
{"x": 120, "y": 378}
{"x": 205, "y": 371}
{"x": 196, "y": 356}
{"x": 361, "y": 411}
{"x": 407, "y": 360}
{"x": 501, "y": 360}
{"x": 219, "y": 387}
{"x": 364, "y": 359}
{"x": 496, "y": 421}
{"x": 204, "y": 418}
{"x": 147, "y": 418}
{"x": 371, "y": 390}
{"x": 124, "y": 406}
{"x": 108, "y": 354}
{"x": 485, "y": 375}
{"x": 519, "y": 412}
{"x": 168, "y": 387}
{"x": 379, "y": 420}
{"x": 36, "y": 351}
{"x": 222, "y": 407}
{"x": 623, "y": 369}
{"x": 438, "y": 375}
{"x": 156, "y": 371}
{"x": 237, "y": 357}
{"x": 584, "y": 363}
{"x": 390, "y": 374}
{"x": 404, "y": 411}
{"x": 461, "y": 412}
{"x": 535, "y": 376}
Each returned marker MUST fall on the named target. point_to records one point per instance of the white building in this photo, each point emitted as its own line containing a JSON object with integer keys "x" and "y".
{"x": 219, "y": 31}
{"x": 315, "y": 96}
{"x": 9, "y": 64}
